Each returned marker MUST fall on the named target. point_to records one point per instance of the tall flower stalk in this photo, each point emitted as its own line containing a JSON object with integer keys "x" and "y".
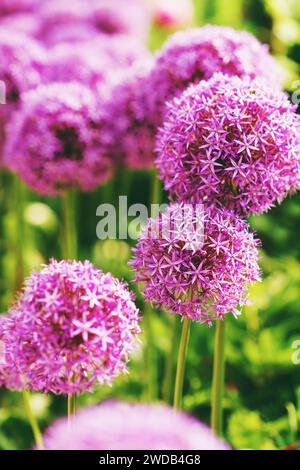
{"x": 182, "y": 353}
{"x": 199, "y": 272}
{"x": 32, "y": 420}
{"x": 218, "y": 379}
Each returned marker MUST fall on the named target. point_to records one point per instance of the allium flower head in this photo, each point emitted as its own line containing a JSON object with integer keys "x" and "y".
{"x": 129, "y": 136}
{"x": 67, "y": 64}
{"x": 20, "y": 67}
{"x": 122, "y": 426}
{"x": 196, "y": 264}
{"x": 60, "y": 20}
{"x": 9, "y": 7}
{"x": 196, "y": 54}
{"x": 75, "y": 328}
{"x": 231, "y": 141}
{"x": 61, "y": 148}
{"x": 98, "y": 63}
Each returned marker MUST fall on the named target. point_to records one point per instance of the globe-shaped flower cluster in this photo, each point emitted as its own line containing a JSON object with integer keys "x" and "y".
{"x": 196, "y": 264}
{"x": 98, "y": 64}
{"x": 78, "y": 20}
{"x": 122, "y": 426}
{"x": 194, "y": 55}
{"x": 19, "y": 54}
{"x": 233, "y": 141}
{"x": 127, "y": 134}
{"x": 54, "y": 142}
{"x": 73, "y": 327}
{"x": 8, "y": 7}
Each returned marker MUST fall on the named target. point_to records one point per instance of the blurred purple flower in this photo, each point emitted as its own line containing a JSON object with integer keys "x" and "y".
{"x": 231, "y": 141}
{"x": 75, "y": 327}
{"x": 9, "y": 7}
{"x": 195, "y": 265}
{"x": 21, "y": 66}
{"x": 60, "y": 20}
{"x": 196, "y": 54}
{"x": 128, "y": 136}
{"x": 122, "y": 426}
{"x": 54, "y": 142}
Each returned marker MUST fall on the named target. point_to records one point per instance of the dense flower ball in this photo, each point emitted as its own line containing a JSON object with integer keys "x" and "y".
{"x": 75, "y": 328}
{"x": 67, "y": 64}
{"x": 8, "y": 7}
{"x": 54, "y": 142}
{"x": 97, "y": 63}
{"x": 8, "y": 371}
{"x": 195, "y": 55}
{"x": 21, "y": 65}
{"x": 231, "y": 141}
{"x": 127, "y": 135}
{"x": 122, "y": 426}
{"x": 196, "y": 261}
{"x": 60, "y": 20}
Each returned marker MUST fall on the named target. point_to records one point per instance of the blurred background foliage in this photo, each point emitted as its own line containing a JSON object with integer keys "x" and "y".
{"x": 262, "y": 384}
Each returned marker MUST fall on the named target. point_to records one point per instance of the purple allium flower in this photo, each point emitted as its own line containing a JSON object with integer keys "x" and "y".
{"x": 60, "y": 20}
{"x": 67, "y": 64}
{"x": 231, "y": 141}
{"x": 128, "y": 135}
{"x": 54, "y": 142}
{"x": 195, "y": 55}
{"x": 75, "y": 328}
{"x": 21, "y": 66}
{"x": 8, "y": 7}
{"x": 8, "y": 371}
{"x": 96, "y": 63}
{"x": 122, "y": 426}
{"x": 198, "y": 265}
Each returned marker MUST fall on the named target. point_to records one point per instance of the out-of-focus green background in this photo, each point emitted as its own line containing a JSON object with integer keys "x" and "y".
{"x": 262, "y": 403}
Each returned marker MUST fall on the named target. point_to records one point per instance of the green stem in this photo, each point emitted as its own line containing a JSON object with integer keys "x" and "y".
{"x": 168, "y": 376}
{"x": 218, "y": 379}
{"x": 32, "y": 420}
{"x": 155, "y": 196}
{"x": 69, "y": 226}
{"x": 184, "y": 341}
{"x": 71, "y": 407}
